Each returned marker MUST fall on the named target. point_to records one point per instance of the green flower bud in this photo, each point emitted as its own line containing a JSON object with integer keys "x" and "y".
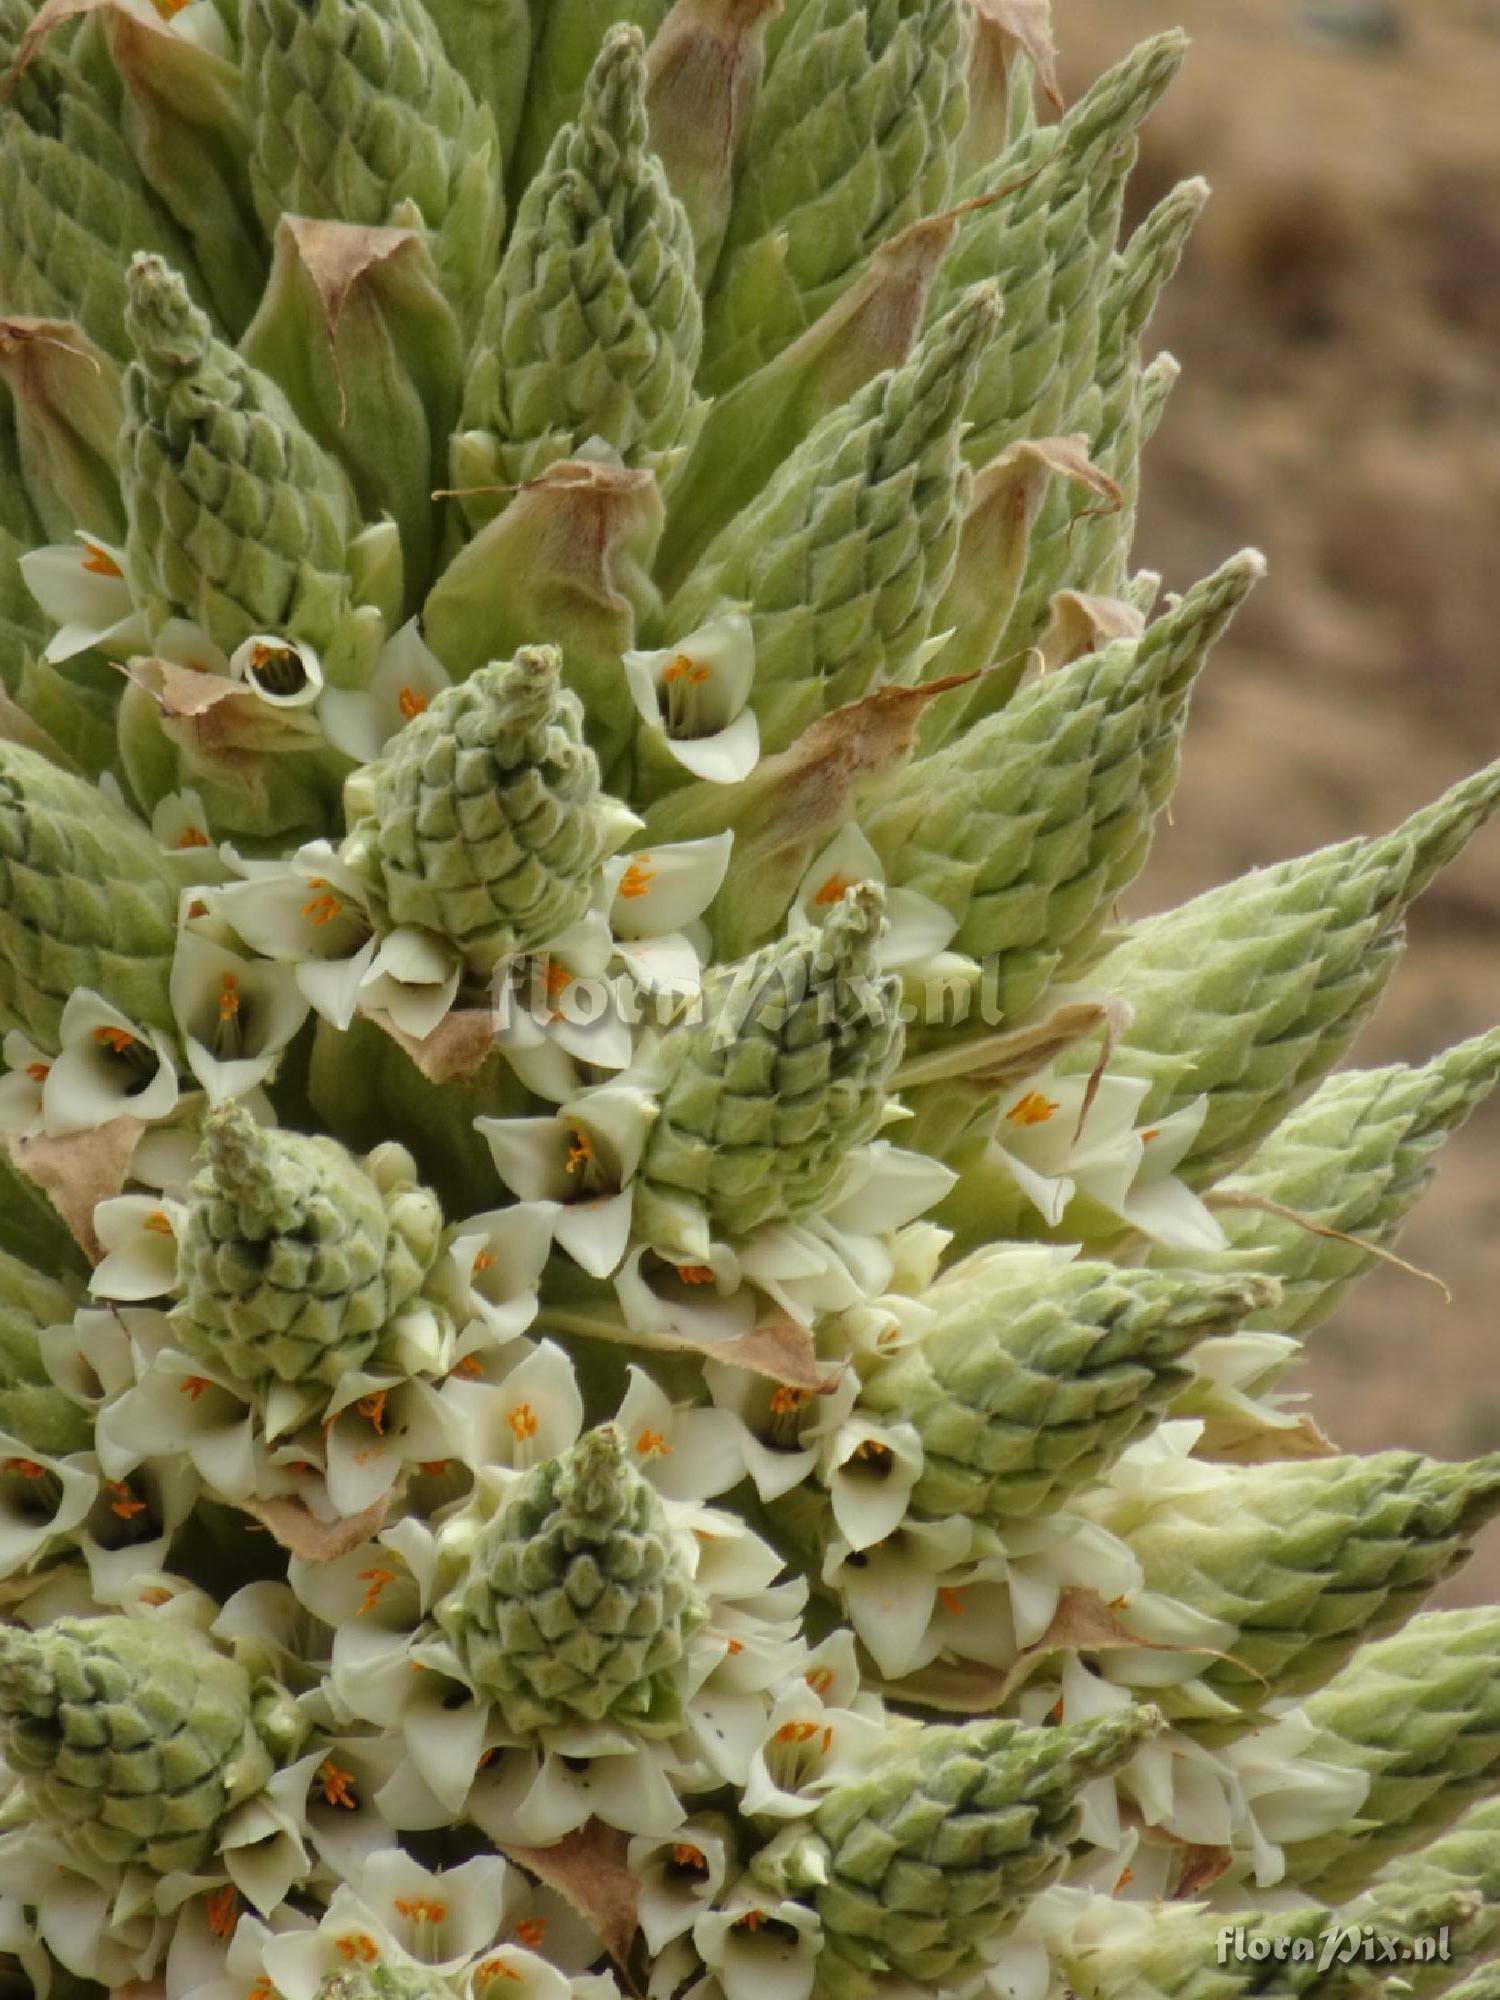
{"x": 1294, "y": 1563}
{"x": 485, "y": 823}
{"x": 360, "y": 115}
{"x": 295, "y": 1257}
{"x": 87, "y": 898}
{"x": 1028, "y": 827}
{"x": 844, "y": 557}
{"x": 577, "y": 1598}
{"x": 566, "y": 37}
{"x": 917, "y": 1868}
{"x": 1252, "y": 992}
{"x": 237, "y": 519}
{"x": 32, "y": 1408}
{"x": 1462, "y": 1869}
{"x": 763, "y": 1098}
{"x": 1355, "y": 1158}
{"x": 854, "y": 137}
{"x": 592, "y": 326}
{"x": 1048, "y": 241}
{"x": 1419, "y": 1714}
{"x": 132, "y": 1741}
{"x": 1033, "y": 1378}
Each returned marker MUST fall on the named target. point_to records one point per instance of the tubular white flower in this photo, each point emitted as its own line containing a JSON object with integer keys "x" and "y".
{"x": 284, "y": 673}
{"x": 310, "y": 913}
{"x": 584, "y": 1159}
{"x": 412, "y": 980}
{"x": 700, "y": 1303}
{"x": 23, "y": 1103}
{"x": 917, "y": 928}
{"x": 361, "y": 722}
{"x": 761, "y": 1950}
{"x": 498, "y": 1259}
{"x": 686, "y": 1453}
{"x": 236, "y": 1014}
{"x": 679, "y": 1878}
{"x": 138, "y": 1235}
{"x": 694, "y": 696}
{"x": 107, "y": 1068}
{"x": 82, "y": 588}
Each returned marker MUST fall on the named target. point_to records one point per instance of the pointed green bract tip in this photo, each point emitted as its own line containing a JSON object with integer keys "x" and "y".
{"x": 170, "y": 335}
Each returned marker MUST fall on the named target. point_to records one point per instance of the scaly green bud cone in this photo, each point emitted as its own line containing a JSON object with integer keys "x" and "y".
{"x": 33, "y": 1410}
{"x": 359, "y": 114}
{"x": 566, "y": 36}
{"x": 845, "y": 556}
{"x": 1356, "y": 1157}
{"x": 1297, "y": 1563}
{"x": 577, "y": 1600}
{"x": 1047, "y": 241}
{"x": 1252, "y": 992}
{"x": 295, "y": 1257}
{"x": 486, "y": 822}
{"x": 237, "y": 518}
{"x": 1419, "y": 1713}
{"x": 87, "y": 899}
{"x": 762, "y": 1099}
{"x": 592, "y": 326}
{"x": 490, "y": 46}
{"x": 73, "y": 206}
{"x": 854, "y": 137}
{"x": 1028, "y": 827}
{"x": 917, "y": 1868}
{"x": 1461, "y": 1867}
{"x": 1032, "y": 1380}
{"x": 133, "y": 1742}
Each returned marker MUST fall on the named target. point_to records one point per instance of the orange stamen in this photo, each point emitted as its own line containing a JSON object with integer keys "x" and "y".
{"x": 323, "y": 908}
{"x": 95, "y": 561}
{"x": 411, "y": 704}
{"x": 733, "y": 1646}
{"x": 1151, "y": 1132}
{"x": 750, "y": 1921}
{"x": 26, "y": 1468}
{"x": 158, "y": 1222}
{"x": 192, "y": 836}
{"x": 484, "y": 1260}
{"x": 495, "y": 1968}
{"x": 833, "y": 890}
{"x": 223, "y": 1910}
{"x": 372, "y": 1409}
{"x": 469, "y": 1365}
{"x": 683, "y": 668}
{"x": 531, "y": 1931}
{"x": 820, "y": 1680}
{"x": 375, "y": 1582}
{"x": 229, "y": 996}
{"x": 156, "y": 1596}
{"x": 338, "y": 1786}
{"x": 357, "y": 1945}
{"x": 1032, "y": 1109}
{"x": 118, "y": 1039}
{"x": 687, "y": 1856}
{"x": 785, "y": 1400}
{"x": 262, "y": 1990}
{"x": 694, "y": 1274}
{"x": 433, "y": 1466}
{"x": 125, "y": 1503}
{"x": 951, "y": 1599}
{"x": 421, "y": 1909}
{"x": 193, "y": 1385}
{"x": 652, "y": 1444}
{"x": 39, "y": 1071}
{"x": 637, "y": 878}
{"x": 522, "y": 1421}
{"x": 1125, "y": 1880}
{"x": 581, "y": 1152}
{"x": 796, "y": 1732}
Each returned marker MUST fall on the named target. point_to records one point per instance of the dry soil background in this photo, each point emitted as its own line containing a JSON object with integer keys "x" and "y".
{"x": 1338, "y": 320}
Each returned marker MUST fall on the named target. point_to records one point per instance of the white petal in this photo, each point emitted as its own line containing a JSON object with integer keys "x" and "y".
{"x": 660, "y": 889}
{"x": 723, "y": 758}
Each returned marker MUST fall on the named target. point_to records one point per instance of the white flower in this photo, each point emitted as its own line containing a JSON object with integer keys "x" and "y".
{"x": 179, "y": 822}
{"x": 761, "y": 1950}
{"x": 138, "y": 1235}
{"x": 40, "y": 1498}
{"x": 308, "y": 912}
{"x": 679, "y": 1878}
{"x": 497, "y": 1260}
{"x": 532, "y": 1414}
{"x": 236, "y": 1014}
{"x": 81, "y": 586}
{"x": 686, "y": 1453}
{"x": 700, "y": 1303}
{"x": 108, "y": 1068}
{"x": 890, "y": 1590}
{"x": 558, "y": 1006}
{"x": 537, "y": 1798}
{"x": 657, "y": 896}
{"x": 782, "y": 1426}
{"x": 375, "y": 1426}
{"x": 695, "y": 694}
{"x": 283, "y": 672}
{"x": 22, "y": 1103}
{"x": 917, "y": 928}
{"x": 870, "y": 1469}
{"x": 810, "y": 1747}
{"x": 413, "y": 980}
{"x": 583, "y": 1159}
{"x": 363, "y": 722}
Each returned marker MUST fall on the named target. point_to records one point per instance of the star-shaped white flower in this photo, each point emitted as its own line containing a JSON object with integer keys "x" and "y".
{"x": 363, "y": 722}
{"x": 81, "y": 585}
{"x": 236, "y": 1014}
{"x": 694, "y": 695}
{"x": 917, "y": 928}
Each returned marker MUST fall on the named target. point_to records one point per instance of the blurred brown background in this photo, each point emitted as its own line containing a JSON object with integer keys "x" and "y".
{"x": 1338, "y": 321}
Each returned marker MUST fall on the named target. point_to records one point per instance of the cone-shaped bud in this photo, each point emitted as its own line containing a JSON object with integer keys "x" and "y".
{"x": 763, "y": 1097}
{"x": 133, "y": 1740}
{"x": 32, "y": 1408}
{"x": 1048, "y": 240}
{"x": 577, "y": 1599}
{"x": 1028, "y": 827}
{"x": 592, "y": 326}
{"x": 854, "y": 137}
{"x": 1419, "y": 1714}
{"x": 238, "y": 520}
{"x": 1252, "y": 992}
{"x": 295, "y": 1256}
{"x": 73, "y": 206}
{"x": 1356, "y": 1158}
{"x": 486, "y": 823}
{"x": 918, "y": 1867}
{"x": 490, "y": 45}
{"x": 845, "y": 556}
{"x": 1032, "y": 1379}
{"x": 87, "y": 898}
{"x": 566, "y": 39}
{"x": 358, "y": 114}
{"x": 1461, "y": 1868}
{"x": 1285, "y": 1568}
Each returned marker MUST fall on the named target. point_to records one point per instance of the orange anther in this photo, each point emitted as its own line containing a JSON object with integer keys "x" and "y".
{"x": 357, "y": 1945}
{"x": 193, "y": 1386}
{"x": 338, "y": 1786}
{"x": 1151, "y": 1132}
{"x": 750, "y": 1921}
{"x": 223, "y": 1908}
{"x": 637, "y": 878}
{"x": 581, "y": 1152}
{"x": 687, "y": 1856}
{"x": 411, "y": 704}
{"x": 951, "y": 1599}
{"x": 796, "y": 1732}
{"x": 522, "y": 1421}
{"x": 193, "y": 836}
{"x": 229, "y": 996}
{"x": 125, "y": 1504}
{"x": 158, "y": 1222}
{"x": 323, "y": 908}
{"x": 372, "y": 1409}
{"x": 468, "y": 1365}
{"x": 733, "y": 1646}
{"x": 97, "y": 562}
{"x": 694, "y": 1274}
{"x": 26, "y": 1468}
{"x": 833, "y": 890}
{"x": 494, "y": 1968}
{"x": 1032, "y": 1109}
{"x": 786, "y": 1400}
{"x": 652, "y": 1444}
{"x": 1125, "y": 1880}
{"x": 375, "y": 1582}
{"x": 684, "y": 668}
{"x": 433, "y": 1466}
{"x": 156, "y": 1596}
{"x": 39, "y": 1071}
{"x": 484, "y": 1260}
{"x": 421, "y": 1909}
{"x": 531, "y": 1931}
{"x": 118, "y": 1039}
{"x": 820, "y": 1680}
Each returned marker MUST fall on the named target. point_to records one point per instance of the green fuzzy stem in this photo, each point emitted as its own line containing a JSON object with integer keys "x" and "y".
{"x": 133, "y": 1742}
{"x": 845, "y": 556}
{"x": 33, "y": 1410}
{"x": 486, "y": 823}
{"x": 1419, "y": 1714}
{"x": 854, "y": 137}
{"x": 1047, "y": 239}
{"x": 1297, "y": 1563}
{"x": 359, "y": 115}
{"x": 915, "y": 1869}
{"x": 295, "y": 1257}
{"x": 576, "y": 1602}
{"x": 237, "y": 518}
{"x": 592, "y": 326}
{"x": 762, "y": 1099}
{"x": 87, "y": 899}
{"x": 1356, "y": 1157}
{"x": 1028, "y": 827}
{"x": 1252, "y": 992}
{"x": 1032, "y": 1380}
